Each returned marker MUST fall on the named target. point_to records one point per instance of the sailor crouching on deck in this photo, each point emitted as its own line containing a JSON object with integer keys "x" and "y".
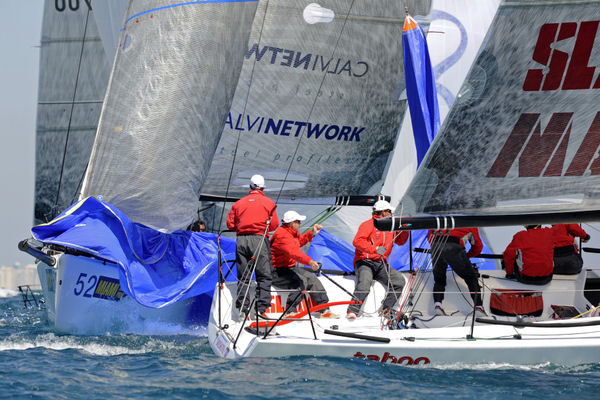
{"x": 529, "y": 256}
{"x": 285, "y": 249}
{"x": 252, "y": 217}
{"x": 448, "y": 248}
{"x": 567, "y": 260}
{"x": 372, "y": 247}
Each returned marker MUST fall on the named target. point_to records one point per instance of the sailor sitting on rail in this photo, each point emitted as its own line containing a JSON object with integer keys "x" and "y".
{"x": 285, "y": 250}
{"x": 372, "y": 247}
{"x": 529, "y": 256}
{"x": 567, "y": 260}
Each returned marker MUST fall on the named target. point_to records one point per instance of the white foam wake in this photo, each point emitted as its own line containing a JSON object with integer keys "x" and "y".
{"x": 85, "y": 345}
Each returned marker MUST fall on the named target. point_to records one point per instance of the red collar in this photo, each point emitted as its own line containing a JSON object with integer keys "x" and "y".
{"x": 291, "y": 230}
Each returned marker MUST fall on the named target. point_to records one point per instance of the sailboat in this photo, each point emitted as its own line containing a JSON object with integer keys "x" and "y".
{"x": 495, "y": 162}
{"x": 182, "y": 94}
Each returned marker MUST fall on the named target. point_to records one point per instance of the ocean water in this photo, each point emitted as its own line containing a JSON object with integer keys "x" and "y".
{"x": 37, "y": 363}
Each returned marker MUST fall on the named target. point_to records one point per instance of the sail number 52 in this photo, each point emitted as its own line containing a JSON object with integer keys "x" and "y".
{"x": 82, "y": 284}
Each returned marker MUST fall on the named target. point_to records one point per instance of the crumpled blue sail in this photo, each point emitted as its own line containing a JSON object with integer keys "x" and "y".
{"x": 335, "y": 254}
{"x": 156, "y": 269}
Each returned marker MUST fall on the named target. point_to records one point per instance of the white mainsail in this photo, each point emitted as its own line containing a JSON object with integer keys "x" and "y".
{"x": 74, "y": 73}
{"x": 318, "y": 104}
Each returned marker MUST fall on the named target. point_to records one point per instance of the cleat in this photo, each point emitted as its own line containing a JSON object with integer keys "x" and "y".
{"x": 350, "y": 316}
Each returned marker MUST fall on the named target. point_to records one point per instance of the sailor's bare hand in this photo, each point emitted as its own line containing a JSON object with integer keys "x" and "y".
{"x": 316, "y": 229}
{"x": 314, "y": 265}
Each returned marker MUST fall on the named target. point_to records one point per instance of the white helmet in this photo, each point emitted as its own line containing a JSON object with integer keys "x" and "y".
{"x": 382, "y": 205}
{"x": 257, "y": 182}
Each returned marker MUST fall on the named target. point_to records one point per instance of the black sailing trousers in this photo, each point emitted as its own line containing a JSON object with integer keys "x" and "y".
{"x": 453, "y": 254}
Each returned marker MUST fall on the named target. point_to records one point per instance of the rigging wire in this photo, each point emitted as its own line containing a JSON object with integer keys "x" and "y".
{"x": 62, "y": 167}
{"x": 237, "y": 142}
{"x": 301, "y": 135}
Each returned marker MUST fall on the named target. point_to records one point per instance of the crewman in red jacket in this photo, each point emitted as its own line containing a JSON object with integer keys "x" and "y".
{"x": 252, "y": 217}
{"x": 448, "y": 248}
{"x": 567, "y": 260}
{"x": 285, "y": 249}
{"x": 372, "y": 247}
{"x": 529, "y": 256}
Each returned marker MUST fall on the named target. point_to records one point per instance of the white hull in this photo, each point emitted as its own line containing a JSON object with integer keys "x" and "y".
{"x": 83, "y": 297}
{"x": 444, "y": 340}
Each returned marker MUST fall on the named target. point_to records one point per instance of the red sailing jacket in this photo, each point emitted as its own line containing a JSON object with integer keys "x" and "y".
{"x": 564, "y": 234}
{"x": 285, "y": 247}
{"x": 533, "y": 249}
{"x": 249, "y": 215}
{"x": 368, "y": 238}
{"x": 464, "y": 235}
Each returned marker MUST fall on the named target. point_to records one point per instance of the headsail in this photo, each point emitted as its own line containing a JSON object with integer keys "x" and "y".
{"x": 170, "y": 90}
{"x": 525, "y": 135}
{"x": 73, "y": 76}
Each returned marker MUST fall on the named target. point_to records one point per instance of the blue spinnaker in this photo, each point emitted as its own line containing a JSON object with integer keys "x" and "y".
{"x": 156, "y": 269}
{"x": 420, "y": 87}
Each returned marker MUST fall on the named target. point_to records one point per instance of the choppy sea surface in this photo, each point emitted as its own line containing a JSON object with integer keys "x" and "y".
{"x": 37, "y": 363}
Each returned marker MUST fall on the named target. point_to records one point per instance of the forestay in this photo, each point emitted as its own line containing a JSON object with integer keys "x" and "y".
{"x": 524, "y": 137}
{"x": 171, "y": 88}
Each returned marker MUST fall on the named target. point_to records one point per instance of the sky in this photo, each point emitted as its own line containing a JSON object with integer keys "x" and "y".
{"x": 20, "y": 33}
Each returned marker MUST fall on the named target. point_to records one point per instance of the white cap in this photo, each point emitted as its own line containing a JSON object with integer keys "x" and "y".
{"x": 382, "y": 205}
{"x": 257, "y": 181}
{"x": 291, "y": 216}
